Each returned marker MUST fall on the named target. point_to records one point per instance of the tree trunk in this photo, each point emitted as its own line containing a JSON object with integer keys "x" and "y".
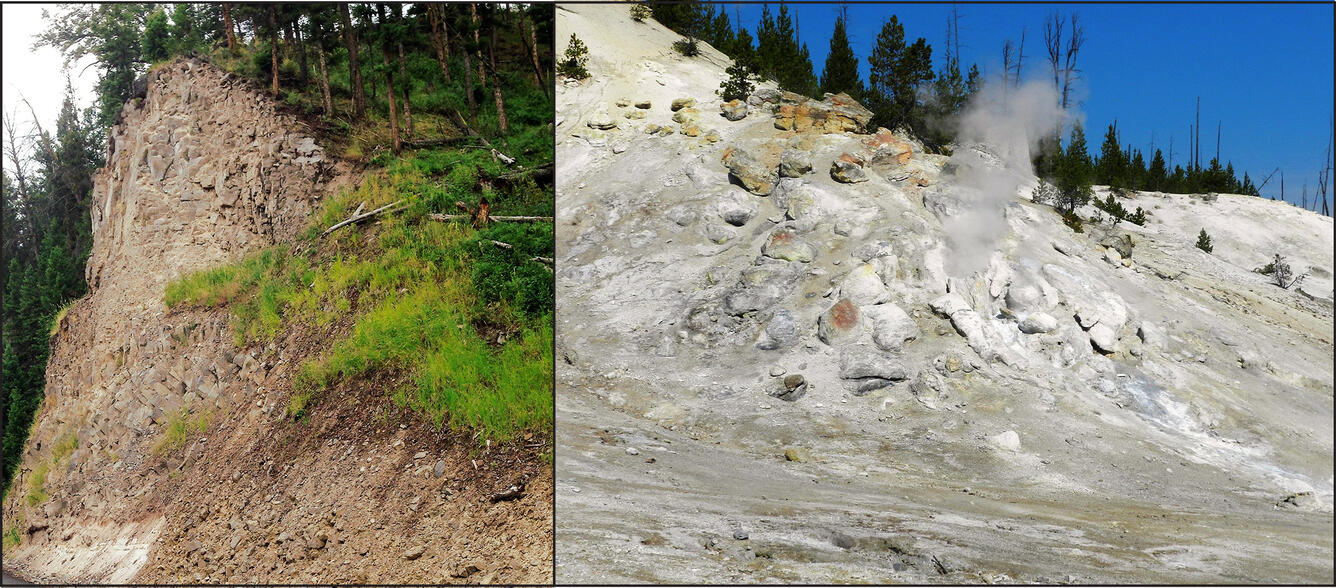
{"x": 531, "y": 42}
{"x": 496, "y": 86}
{"x": 355, "y": 71}
{"x": 468, "y": 86}
{"x": 227, "y": 24}
{"x": 477, "y": 44}
{"x": 324, "y": 72}
{"x": 301, "y": 54}
{"x": 273, "y": 46}
{"x": 389, "y": 84}
{"x": 404, "y": 81}
{"x": 439, "y": 39}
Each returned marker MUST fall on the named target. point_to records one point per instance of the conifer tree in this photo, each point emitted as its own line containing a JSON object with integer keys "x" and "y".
{"x": 841, "y": 71}
{"x": 896, "y": 71}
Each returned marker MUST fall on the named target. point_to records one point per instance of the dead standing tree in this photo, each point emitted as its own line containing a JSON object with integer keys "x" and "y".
{"x": 1062, "y": 58}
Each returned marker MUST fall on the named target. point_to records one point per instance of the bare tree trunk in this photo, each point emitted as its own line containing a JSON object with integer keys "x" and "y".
{"x": 324, "y": 72}
{"x": 227, "y": 24}
{"x": 389, "y": 84}
{"x": 477, "y": 44}
{"x": 496, "y": 85}
{"x": 439, "y": 39}
{"x": 301, "y": 54}
{"x": 468, "y": 86}
{"x": 531, "y": 42}
{"x": 1069, "y": 70}
{"x": 273, "y": 45}
{"x": 403, "y": 81}
{"x": 354, "y": 70}
{"x": 1020, "y": 59}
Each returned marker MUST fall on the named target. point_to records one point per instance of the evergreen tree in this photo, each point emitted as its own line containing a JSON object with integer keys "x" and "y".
{"x": 841, "y": 71}
{"x": 1109, "y": 170}
{"x": 156, "y": 40}
{"x": 1156, "y": 175}
{"x": 1074, "y": 172}
{"x": 779, "y": 55}
{"x": 896, "y": 71}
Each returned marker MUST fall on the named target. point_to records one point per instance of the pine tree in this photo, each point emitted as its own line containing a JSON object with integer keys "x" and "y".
{"x": 896, "y": 71}
{"x": 1074, "y": 172}
{"x": 156, "y": 40}
{"x": 1204, "y": 242}
{"x": 1156, "y": 175}
{"x": 841, "y": 71}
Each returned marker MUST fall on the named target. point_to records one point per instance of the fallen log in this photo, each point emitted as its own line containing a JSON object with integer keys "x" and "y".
{"x": 359, "y": 218}
{"x": 424, "y": 143}
{"x": 513, "y": 219}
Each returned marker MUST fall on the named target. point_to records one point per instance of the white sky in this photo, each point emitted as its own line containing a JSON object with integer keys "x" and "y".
{"x": 36, "y": 75}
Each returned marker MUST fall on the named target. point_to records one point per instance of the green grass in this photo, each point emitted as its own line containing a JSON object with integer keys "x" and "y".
{"x": 37, "y": 484}
{"x": 12, "y": 537}
{"x": 419, "y": 294}
{"x": 178, "y": 429}
{"x": 64, "y": 446}
{"x": 59, "y": 318}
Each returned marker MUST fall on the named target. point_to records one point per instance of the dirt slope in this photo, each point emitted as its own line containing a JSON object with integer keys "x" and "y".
{"x": 205, "y": 169}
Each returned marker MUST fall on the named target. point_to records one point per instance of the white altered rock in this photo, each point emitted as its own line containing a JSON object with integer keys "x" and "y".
{"x": 1006, "y": 440}
{"x": 1039, "y": 322}
{"x": 863, "y": 286}
{"x": 890, "y": 326}
{"x": 1103, "y": 337}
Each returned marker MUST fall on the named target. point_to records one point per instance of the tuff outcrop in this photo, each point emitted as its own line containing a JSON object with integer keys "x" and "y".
{"x": 971, "y": 379}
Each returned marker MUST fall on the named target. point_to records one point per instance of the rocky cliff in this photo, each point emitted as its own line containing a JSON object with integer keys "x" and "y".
{"x": 204, "y": 169}
{"x": 800, "y": 349}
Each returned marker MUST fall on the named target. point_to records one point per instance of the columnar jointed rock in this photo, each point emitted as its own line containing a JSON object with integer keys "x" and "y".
{"x": 754, "y": 175}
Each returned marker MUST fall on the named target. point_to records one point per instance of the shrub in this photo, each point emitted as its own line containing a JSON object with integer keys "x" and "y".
{"x": 1280, "y": 272}
{"x": 573, "y": 64}
{"x": 1044, "y": 193}
{"x": 1137, "y": 218}
{"x": 1073, "y": 221}
{"x": 1204, "y": 242}
{"x": 640, "y": 12}
{"x": 512, "y": 274}
{"x": 739, "y": 84}
{"x": 687, "y": 46}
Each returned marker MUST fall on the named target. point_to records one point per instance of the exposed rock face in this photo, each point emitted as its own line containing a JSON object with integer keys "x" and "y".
{"x": 836, "y": 113}
{"x": 734, "y": 110}
{"x": 750, "y": 171}
{"x": 205, "y": 170}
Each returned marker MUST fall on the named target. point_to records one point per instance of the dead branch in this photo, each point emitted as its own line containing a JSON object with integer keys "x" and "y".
{"x": 452, "y": 141}
{"x": 512, "y": 219}
{"x": 502, "y": 245}
{"x": 459, "y": 121}
{"x": 359, "y": 218}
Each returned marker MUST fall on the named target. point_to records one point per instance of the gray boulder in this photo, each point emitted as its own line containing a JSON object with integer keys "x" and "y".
{"x": 784, "y": 244}
{"x": 780, "y": 332}
{"x": 890, "y": 326}
{"x": 749, "y": 171}
{"x": 734, "y": 110}
{"x": 794, "y": 163}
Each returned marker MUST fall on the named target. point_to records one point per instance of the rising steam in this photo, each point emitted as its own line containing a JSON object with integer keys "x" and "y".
{"x": 998, "y": 131}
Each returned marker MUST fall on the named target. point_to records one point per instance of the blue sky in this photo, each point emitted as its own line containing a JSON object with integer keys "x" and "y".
{"x": 1263, "y": 71}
